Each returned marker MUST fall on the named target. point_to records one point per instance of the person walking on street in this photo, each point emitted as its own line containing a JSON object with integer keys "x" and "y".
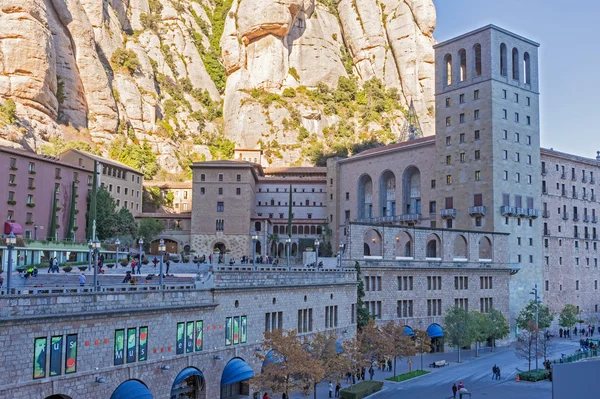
{"x": 133, "y": 264}
{"x": 498, "y": 372}
{"x": 51, "y": 265}
{"x": 265, "y": 396}
{"x": 494, "y": 372}
{"x": 371, "y": 372}
{"x": 81, "y": 279}
{"x": 168, "y": 265}
{"x": 454, "y": 389}
{"x": 1, "y": 281}
{"x": 338, "y": 386}
{"x": 139, "y": 268}
{"x": 330, "y": 389}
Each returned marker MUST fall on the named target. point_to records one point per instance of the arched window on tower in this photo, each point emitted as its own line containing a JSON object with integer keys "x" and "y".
{"x": 448, "y": 69}
{"x": 462, "y": 72}
{"x": 515, "y": 63}
{"x": 477, "y": 59}
{"x": 527, "y": 68}
{"x": 503, "y": 60}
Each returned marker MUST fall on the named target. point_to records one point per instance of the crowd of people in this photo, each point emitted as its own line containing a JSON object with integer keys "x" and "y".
{"x": 582, "y": 331}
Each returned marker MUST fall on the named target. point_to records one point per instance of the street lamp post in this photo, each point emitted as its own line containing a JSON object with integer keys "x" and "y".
{"x": 11, "y": 240}
{"x": 288, "y": 244}
{"x": 317, "y": 243}
{"x": 96, "y": 245}
{"x": 117, "y": 243}
{"x": 141, "y": 244}
{"x": 534, "y": 292}
{"x": 341, "y": 252}
{"x": 161, "y": 251}
{"x": 90, "y": 254}
{"x": 35, "y": 227}
{"x": 254, "y": 241}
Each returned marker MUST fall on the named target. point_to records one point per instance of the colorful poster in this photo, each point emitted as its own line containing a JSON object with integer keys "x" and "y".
{"x": 56, "y": 345}
{"x": 228, "y": 331}
{"x": 143, "y": 344}
{"x": 71, "y": 357}
{"x": 236, "y": 330}
{"x": 180, "y": 338}
{"x": 39, "y": 357}
{"x": 199, "y": 335}
{"x": 243, "y": 329}
{"x": 131, "y": 345}
{"x": 119, "y": 346}
{"x": 189, "y": 337}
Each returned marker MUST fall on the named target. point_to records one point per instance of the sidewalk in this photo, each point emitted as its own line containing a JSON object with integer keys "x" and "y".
{"x": 402, "y": 367}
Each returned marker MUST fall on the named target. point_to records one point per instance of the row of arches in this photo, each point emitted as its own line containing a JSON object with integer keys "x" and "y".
{"x": 405, "y": 247}
{"x": 387, "y": 194}
{"x": 476, "y": 64}
{"x": 312, "y": 230}
{"x": 189, "y": 384}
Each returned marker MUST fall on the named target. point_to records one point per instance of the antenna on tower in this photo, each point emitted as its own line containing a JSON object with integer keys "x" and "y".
{"x": 412, "y": 128}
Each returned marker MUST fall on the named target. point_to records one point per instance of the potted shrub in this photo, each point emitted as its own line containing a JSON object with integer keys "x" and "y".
{"x": 145, "y": 260}
{"x": 67, "y": 268}
{"x": 174, "y": 259}
{"x": 186, "y": 259}
{"x": 123, "y": 262}
{"x": 22, "y": 269}
{"x": 109, "y": 265}
{"x": 82, "y": 268}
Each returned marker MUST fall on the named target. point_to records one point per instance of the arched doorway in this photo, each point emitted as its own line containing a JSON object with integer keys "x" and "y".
{"x": 436, "y": 334}
{"x": 294, "y": 249}
{"x": 132, "y": 389}
{"x": 189, "y": 384}
{"x": 235, "y": 379}
{"x": 461, "y": 248}
{"x": 411, "y": 190}
{"x": 485, "y": 250}
{"x": 374, "y": 241}
{"x": 258, "y": 248}
{"x": 387, "y": 194}
{"x": 171, "y": 246}
{"x": 434, "y": 247}
{"x": 404, "y": 245}
{"x": 365, "y": 200}
{"x": 219, "y": 248}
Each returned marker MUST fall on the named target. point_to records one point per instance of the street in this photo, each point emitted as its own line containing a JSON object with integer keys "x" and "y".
{"x": 475, "y": 373}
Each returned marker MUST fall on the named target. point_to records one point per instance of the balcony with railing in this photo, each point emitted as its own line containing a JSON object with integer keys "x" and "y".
{"x": 477, "y": 210}
{"x": 575, "y": 194}
{"x": 563, "y": 176}
{"x": 409, "y": 217}
{"x": 565, "y": 216}
{"x": 576, "y": 235}
{"x": 533, "y": 213}
{"x": 586, "y": 219}
{"x": 586, "y": 236}
{"x": 595, "y": 237}
{"x": 545, "y": 214}
{"x": 594, "y": 219}
{"x": 544, "y": 171}
{"x": 506, "y": 210}
{"x": 448, "y": 213}
{"x": 575, "y": 217}
{"x": 564, "y": 193}
{"x": 547, "y": 232}
{"x": 521, "y": 212}
{"x": 584, "y": 179}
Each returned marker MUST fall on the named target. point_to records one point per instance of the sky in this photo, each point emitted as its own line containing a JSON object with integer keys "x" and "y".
{"x": 569, "y": 37}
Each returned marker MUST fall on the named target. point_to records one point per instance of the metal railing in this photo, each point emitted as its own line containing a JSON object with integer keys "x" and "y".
{"x": 448, "y": 213}
{"x": 477, "y": 210}
{"x": 533, "y": 213}
{"x": 545, "y": 213}
{"x": 565, "y": 215}
{"x": 521, "y": 211}
{"x": 507, "y": 210}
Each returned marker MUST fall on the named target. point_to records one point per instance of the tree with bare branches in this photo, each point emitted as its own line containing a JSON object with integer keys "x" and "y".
{"x": 422, "y": 343}
{"x": 525, "y": 348}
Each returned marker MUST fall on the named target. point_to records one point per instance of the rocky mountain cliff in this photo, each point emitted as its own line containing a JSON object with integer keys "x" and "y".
{"x": 191, "y": 80}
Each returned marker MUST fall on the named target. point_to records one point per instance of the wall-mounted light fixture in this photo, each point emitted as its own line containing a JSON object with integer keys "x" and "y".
{"x": 218, "y": 357}
{"x": 373, "y": 239}
{"x": 165, "y": 367}
{"x": 101, "y": 380}
{"x": 397, "y": 238}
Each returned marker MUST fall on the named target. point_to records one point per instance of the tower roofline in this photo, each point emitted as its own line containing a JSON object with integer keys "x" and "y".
{"x": 490, "y": 26}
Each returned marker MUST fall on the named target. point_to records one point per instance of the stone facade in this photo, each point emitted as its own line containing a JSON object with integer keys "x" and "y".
{"x": 95, "y": 317}
{"x": 570, "y": 232}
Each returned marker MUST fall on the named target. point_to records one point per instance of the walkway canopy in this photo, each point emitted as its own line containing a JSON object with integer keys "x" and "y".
{"x": 435, "y": 331}
{"x": 186, "y": 373}
{"x": 236, "y": 370}
{"x": 132, "y": 389}
{"x": 408, "y": 331}
{"x": 271, "y": 357}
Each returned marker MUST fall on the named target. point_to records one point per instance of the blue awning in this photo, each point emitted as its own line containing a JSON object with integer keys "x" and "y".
{"x": 132, "y": 389}
{"x": 435, "y": 331}
{"x": 408, "y": 331}
{"x": 271, "y": 357}
{"x": 236, "y": 370}
{"x": 186, "y": 373}
{"x": 338, "y": 347}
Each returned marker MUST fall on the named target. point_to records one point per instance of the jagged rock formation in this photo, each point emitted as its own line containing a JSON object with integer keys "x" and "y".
{"x": 183, "y": 75}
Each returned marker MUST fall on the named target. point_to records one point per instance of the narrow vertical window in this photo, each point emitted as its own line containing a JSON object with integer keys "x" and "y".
{"x": 462, "y": 73}
{"x": 477, "y": 59}
{"x": 503, "y": 60}
{"x": 448, "y": 70}
{"x": 527, "y": 69}
{"x": 515, "y": 64}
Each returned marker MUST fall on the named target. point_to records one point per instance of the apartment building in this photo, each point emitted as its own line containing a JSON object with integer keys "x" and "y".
{"x": 180, "y": 192}
{"x": 570, "y": 231}
{"x": 31, "y": 182}
{"x": 122, "y": 182}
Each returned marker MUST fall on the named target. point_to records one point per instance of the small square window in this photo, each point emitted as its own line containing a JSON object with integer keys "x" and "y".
{"x": 462, "y": 157}
{"x": 505, "y": 134}
{"x": 448, "y": 160}
{"x": 461, "y": 118}
{"x": 202, "y": 190}
{"x": 477, "y": 155}
{"x": 461, "y": 98}
{"x": 238, "y": 191}
{"x": 516, "y": 97}
{"x": 517, "y": 138}
{"x": 504, "y": 114}
{"x": 448, "y": 121}
{"x": 447, "y": 102}
{"x": 518, "y": 177}
{"x": 202, "y": 177}
{"x": 506, "y": 175}
{"x": 461, "y": 138}
{"x": 448, "y": 179}
{"x": 433, "y": 184}
{"x": 477, "y": 135}
{"x": 220, "y": 206}
{"x": 220, "y": 190}
{"x": 528, "y": 120}
{"x": 477, "y": 175}
{"x": 478, "y": 221}
{"x": 220, "y": 176}
{"x": 504, "y": 154}
{"x": 516, "y": 117}
{"x": 238, "y": 177}
{"x": 476, "y": 114}
{"x": 447, "y": 140}
{"x": 347, "y": 195}
{"x": 504, "y": 94}
{"x": 476, "y": 95}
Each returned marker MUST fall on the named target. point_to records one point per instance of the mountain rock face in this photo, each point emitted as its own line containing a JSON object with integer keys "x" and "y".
{"x": 193, "y": 79}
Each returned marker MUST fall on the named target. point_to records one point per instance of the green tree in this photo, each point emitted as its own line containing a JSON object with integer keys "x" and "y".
{"x": 527, "y": 314}
{"x": 139, "y": 157}
{"x": 481, "y": 328}
{"x": 149, "y": 229}
{"x": 106, "y": 222}
{"x": 362, "y": 313}
{"x": 53, "y": 225}
{"x": 125, "y": 59}
{"x": 330, "y": 354}
{"x": 126, "y": 225}
{"x": 459, "y": 328}
{"x": 71, "y": 228}
{"x": 568, "y": 316}
{"x": 422, "y": 343}
{"x": 526, "y": 347}
{"x": 399, "y": 344}
{"x": 58, "y": 145}
{"x": 498, "y": 326}
{"x": 8, "y": 110}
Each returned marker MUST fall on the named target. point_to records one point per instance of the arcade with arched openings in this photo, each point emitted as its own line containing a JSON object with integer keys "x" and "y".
{"x": 235, "y": 380}
{"x": 373, "y": 244}
{"x": 189, "y": 384}
{"x": 132, "y": 389}
{"x": 404, "y": 246}
{"x": 433, "y": 249}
